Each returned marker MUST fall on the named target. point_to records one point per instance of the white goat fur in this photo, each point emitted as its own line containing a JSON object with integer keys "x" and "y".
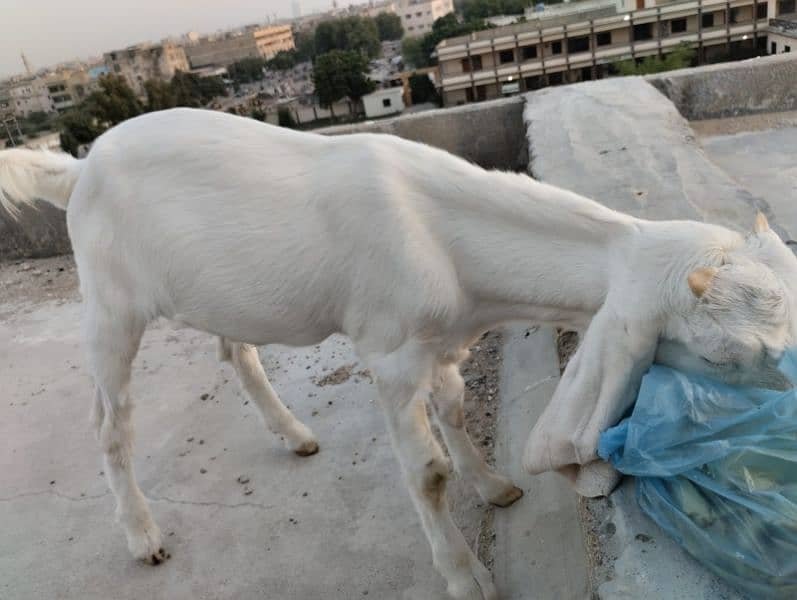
{"x": 262, "y": 235}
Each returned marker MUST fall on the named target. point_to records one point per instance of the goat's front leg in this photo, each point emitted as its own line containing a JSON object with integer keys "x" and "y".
{"x": 448, "y": 400}
{"x": 425, "y": 470}
{"x": 296, "y": 435}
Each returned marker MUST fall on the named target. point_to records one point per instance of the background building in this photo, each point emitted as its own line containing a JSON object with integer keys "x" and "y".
{"x": 417, "y": 16}
{"x": 577, "y": 42}
{"x": 251, "y": 42}
{"x": 782, "y": 31}
{"x": 139, "y": 63}
{"x": 380, "y": 103}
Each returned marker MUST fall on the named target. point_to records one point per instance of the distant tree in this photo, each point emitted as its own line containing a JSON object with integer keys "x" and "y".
{"x": 422, "y": 89}
{"x": 246, "y": 70}
{"x": 285, "y": 117}
{"x": 283, "y": 60}
{"x": 194, "y": 91}
{"x": 681, "y": 57}
{"x": 350, "y": 33}
{"x": 389, "y": 26}
{"x": 258, "y": 115}
{"x": 341, "y": 74}
{"x": 160, "y": 95}
{"x": 114, "y": 102}
{"x": 78, "y": 127}
{"x": 417, "y": 52}
{"x": 305, "y": 45}
{"x": 412, "y": 53}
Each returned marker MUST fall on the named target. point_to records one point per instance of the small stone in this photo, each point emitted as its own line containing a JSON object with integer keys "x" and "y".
{"x": 191, "y": 439}
{"x": 204, "y": 397}
{"x": 247, "y": 491}
{"x": 243, "y": 479}
{"x": 203, "y": 470}
{"x": 304, "y": 495}
{"x": 201, "y": 442}
{"x": 314, "y": 413}
{"x": 52, "y": 482}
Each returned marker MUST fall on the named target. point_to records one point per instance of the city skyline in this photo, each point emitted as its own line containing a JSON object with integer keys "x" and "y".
{"x": 91, "y": 27}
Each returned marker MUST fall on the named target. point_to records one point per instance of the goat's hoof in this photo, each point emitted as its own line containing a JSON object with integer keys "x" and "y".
{"x": 508, "y": 497}
{"x": 158, "y": 557}
{"x": 307, "y": 448}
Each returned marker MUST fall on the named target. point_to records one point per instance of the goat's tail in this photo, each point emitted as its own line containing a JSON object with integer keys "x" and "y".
{"x": 26, "y": 175}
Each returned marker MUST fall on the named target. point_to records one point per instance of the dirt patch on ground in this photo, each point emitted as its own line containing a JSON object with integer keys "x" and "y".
{"x": 481, "y": 374}
{"x": 342, "y": 375}
{"x": 566, "y": 344}
{"x": 26, "y": 283}
{"x": 758, "y": 122}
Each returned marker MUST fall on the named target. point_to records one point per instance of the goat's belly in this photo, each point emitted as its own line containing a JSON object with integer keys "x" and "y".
{"x": 258, "y": 331}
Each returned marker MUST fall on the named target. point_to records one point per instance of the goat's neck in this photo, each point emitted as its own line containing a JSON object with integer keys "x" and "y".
{"x": 526, "y": 250}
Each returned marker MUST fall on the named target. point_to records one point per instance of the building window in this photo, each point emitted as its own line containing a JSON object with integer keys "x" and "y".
{"x": 787, "y": 48}
{"x": 786, "y": 7}
{"x": 761, "y": 11}
{"x": 707, "y": 20}
{"x": 678, "y": 25}
{"x": 386, "y": 102}
{"x": 578, "y": 44}
{"x": 534, "y": 82}
{"x": 556, "y": 47}
{"x": 469, "y": 94}
{"x": 529, "y": 52}
{"x": 643, "y": 31}
{"x": 116, "y": 68}
{"x": 734, "y": 15}
{"x": 555, "y": 79}
{"x": 506, "y": 56}
{"x": 475, "y": 61}
{"x": 604, "y": 38}
{"x": 481, "y": 92}
{"x": 773, "y": 48}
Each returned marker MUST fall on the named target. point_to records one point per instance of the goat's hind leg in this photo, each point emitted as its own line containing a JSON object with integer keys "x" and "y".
{"x": 113, "y": 340}
{"x": 448, "y": 397}
{"x": 244, "y": 358}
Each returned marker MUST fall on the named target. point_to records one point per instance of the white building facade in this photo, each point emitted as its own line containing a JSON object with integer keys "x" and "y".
{"x": 384, "y": 102}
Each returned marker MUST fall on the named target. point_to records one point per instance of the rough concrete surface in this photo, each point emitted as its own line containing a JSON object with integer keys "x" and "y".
{"x": 540, "y": 551}
{"x": 763, "y": 161}
{"x": 336, "y": 525}
{"x": 622, "y": 143}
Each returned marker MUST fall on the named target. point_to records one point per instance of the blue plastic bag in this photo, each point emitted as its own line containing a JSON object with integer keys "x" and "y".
{"x": 716, "y": 468}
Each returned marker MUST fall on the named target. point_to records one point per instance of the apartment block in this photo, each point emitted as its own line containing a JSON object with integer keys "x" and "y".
{"x": 417, "y": 16}
{"x": 139, "y": 63}
{"x": 782, "y": 30}
{"x": 251, "y": 42}
{"x": 580, "y": 42}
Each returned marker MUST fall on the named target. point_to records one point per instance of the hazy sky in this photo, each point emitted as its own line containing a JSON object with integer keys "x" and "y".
{"x": 50, "y": 31}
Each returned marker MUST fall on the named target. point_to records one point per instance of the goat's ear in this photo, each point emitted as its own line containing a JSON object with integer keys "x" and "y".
{"x": 761, "y": 224}
{"x": 700, "y": 280}
{"x": 597, "y": 387}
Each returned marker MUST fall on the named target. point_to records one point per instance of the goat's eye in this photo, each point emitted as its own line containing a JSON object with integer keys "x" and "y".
{"x": 711, "y": 362}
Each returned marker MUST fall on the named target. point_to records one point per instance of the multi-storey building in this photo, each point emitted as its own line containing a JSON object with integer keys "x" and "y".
{"x": 251, "y": 42}
{"x": 417, "y": 16}
{"x": 580, "y": 41}
{"x": 782, "y": 30}
{"x": 139, "y": 63}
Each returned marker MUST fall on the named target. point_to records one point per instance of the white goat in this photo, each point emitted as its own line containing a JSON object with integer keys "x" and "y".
{"x": 264, "y": 235}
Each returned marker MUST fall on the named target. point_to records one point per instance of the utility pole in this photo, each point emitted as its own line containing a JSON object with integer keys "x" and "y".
{"x": 25, "y": 62}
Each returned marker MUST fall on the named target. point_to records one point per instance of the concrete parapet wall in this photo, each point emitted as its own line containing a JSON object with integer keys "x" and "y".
{"x": 489, "y": 134}
{"x": 758, "y": 85}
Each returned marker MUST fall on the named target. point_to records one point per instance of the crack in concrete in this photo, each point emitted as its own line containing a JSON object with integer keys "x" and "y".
{"x": 54, "y": 493}
{"x": 168, "y": 500}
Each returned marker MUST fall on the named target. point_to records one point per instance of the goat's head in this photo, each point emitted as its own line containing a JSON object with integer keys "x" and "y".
{"x": 741, "y": 316}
